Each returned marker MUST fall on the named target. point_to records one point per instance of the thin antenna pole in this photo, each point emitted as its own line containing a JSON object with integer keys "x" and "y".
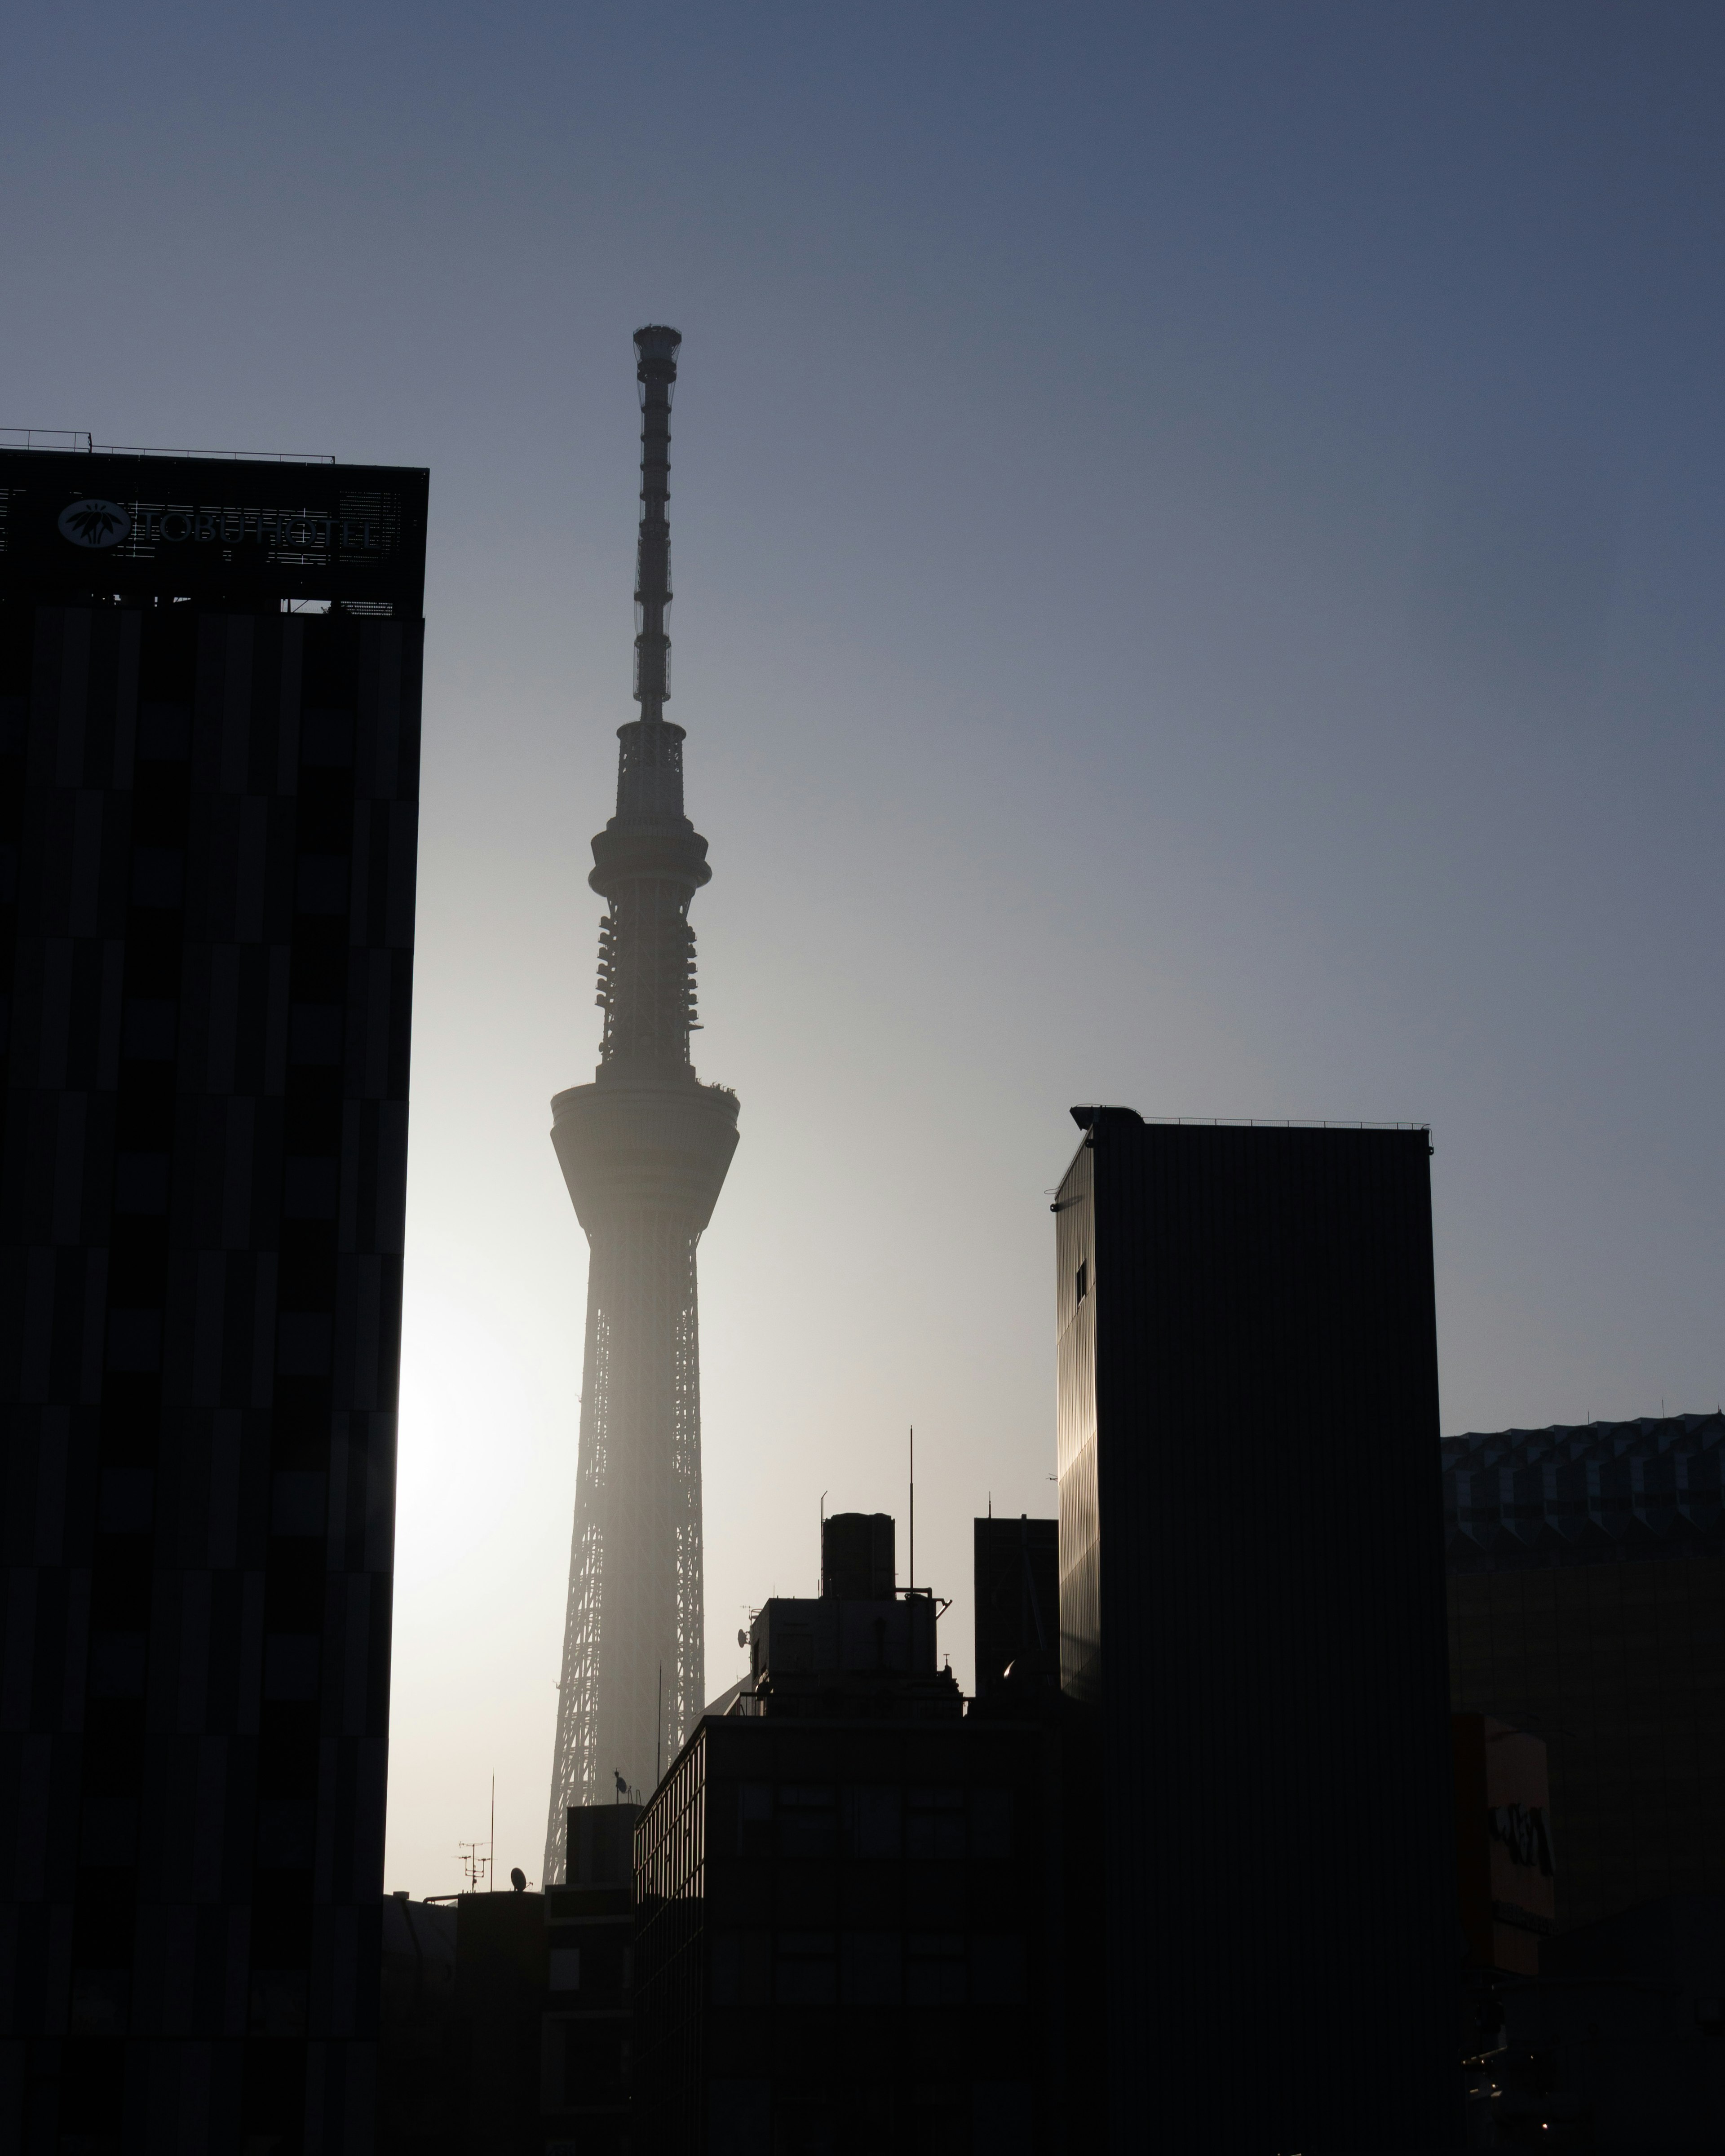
{"x": 913, "y": 1508}
{"x": 658, "y": 1730}
{"x": 491, "y": 1846}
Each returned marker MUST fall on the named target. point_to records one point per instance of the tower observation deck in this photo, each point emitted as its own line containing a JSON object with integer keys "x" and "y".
{"x": 643, "y": 1150}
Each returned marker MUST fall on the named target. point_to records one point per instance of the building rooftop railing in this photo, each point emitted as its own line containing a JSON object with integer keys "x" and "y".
{"x": 1284, "y": 1123}
{"x": 74, "y": 439}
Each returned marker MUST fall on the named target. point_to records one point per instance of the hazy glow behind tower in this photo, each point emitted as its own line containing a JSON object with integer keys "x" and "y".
{"x": 643, "y": 1150}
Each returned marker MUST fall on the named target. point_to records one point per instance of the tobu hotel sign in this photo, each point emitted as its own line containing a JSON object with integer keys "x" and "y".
{"x": 239, "y": 531}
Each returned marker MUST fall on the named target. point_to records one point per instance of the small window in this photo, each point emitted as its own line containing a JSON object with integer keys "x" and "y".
{"x": 991, "y": 1825}
{"x": 127, "y": 1502}
{"x": 934, "y": 1969}
{"x": 326, "y": 738}
{"x": 871, "y": 1969}
{"x": 740, "y": 1969}
{"x": 566, "y": 1969}
{"x": 322, "y": 885}
{"x": 1083, "y": 1278}
{"x": 808, "y": 1820}
{"x": 299, "y": 1502}
{"x": 287, "y": 1834}
{"x": 791, "y": 1648}
{"x": 871, "y": 1821}
{"x": 754, "y": 1819}
{"x": 311, "y": 1186}
{"x": 934, "y": 1823}
{"x": 148, "y": 1028}
{"x": 158, "y": 876}
{"x": 807, "y": 1974}
{"x": 164, "y": 732}
{"x": 997, "y": 1971}
{"x": 291, "y": 1666}
{"x": 140, "y": 1183}
{"x": 314, "y": 1033}
{"x": 134, "y": 1339}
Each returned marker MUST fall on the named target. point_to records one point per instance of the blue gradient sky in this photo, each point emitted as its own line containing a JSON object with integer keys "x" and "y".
{"x": 1198, "y": 550}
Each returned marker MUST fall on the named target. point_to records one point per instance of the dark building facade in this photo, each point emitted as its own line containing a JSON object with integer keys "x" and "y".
{"x": 1018, "y": 1592}
{"x": 506, "y": 2015}
{"x": 587, "y": 2047}
{"x": 419, "y": 2112}
{"x": 847, "y": 1907}
{"x": 1251, "y": 1611}
{"x": 207, "y": 826}
{"x": 1587, "y": 1605}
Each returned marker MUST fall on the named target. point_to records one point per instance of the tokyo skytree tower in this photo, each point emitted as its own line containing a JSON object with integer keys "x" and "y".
{"x": 643, "y": 1150}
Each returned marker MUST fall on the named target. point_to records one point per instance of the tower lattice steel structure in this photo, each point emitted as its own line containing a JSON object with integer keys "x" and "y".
{"x": 643, "y": 1150}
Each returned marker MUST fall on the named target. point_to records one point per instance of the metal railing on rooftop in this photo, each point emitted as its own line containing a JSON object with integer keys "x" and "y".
{"x": 76, "y": 439}
{"x": 1283, "y": 1123}
{"x": 45, "y": 438}
{"x": 234, "y": 456}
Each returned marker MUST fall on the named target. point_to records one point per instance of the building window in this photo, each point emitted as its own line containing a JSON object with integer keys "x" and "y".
{"x": 934, "y": 1969}
{"x": 1083, "y": 1278}
{"x": 871, "y": 1822}
{"x": 739, "y": 2117}
{"x": 997, "y": 1971}
{"x": 807, "y": 1974}
{"x": 807, "y": 1820}
{"x": 566, "y": 1969}
{"x": 1003, "y": 2117}
{"x": 754, "y": 1819}
{"x": 991, "y": 1825}
{"x": 740, "y": 1963}
{"x": 934, "y": 1823}
{"x": 872, "y": 1969}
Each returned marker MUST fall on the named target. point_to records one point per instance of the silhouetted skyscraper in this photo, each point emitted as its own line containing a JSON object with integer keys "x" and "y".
{"x": 208, "y": 810}
{"x": 643, "y": 1150}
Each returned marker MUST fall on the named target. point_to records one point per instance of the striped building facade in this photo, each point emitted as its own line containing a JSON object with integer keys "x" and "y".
{"x": 208, "y": 834}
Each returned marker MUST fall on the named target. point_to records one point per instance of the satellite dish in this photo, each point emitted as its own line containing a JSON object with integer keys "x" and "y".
{"x": 742, "y": 1637}
{"x": 518, "y": 1880}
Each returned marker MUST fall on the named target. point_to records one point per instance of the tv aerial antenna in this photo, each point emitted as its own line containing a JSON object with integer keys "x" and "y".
{"x": 478, "y": 1868}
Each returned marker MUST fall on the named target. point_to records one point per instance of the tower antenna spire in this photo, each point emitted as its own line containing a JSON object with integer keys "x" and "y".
{"x": 656, "y": 372}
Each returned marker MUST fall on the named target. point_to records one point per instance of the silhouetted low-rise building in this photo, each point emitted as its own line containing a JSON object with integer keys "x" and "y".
{"x": 1017, "y": 1600}
{"x": 1586, "y": 1604}
{"x": 463, "y": 1994}
{"x": 1619, "y": 2042}
{"x": 419, "y": 2096}
{"x": 584, "y": 2060}
{"x": 847, "y": 1904}
{"x": 506, "y": 2016}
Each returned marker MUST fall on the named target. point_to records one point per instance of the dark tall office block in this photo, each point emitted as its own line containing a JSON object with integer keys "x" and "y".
{"x": 1018, "y": 1588}
{"x": 208, "y": 810}
{"x": 1587, "y": 1605}
{"x": 1252, "y": 1607}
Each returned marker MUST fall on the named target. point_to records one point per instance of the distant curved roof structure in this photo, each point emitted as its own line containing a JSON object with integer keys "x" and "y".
{"x": 1584, "y": 1493}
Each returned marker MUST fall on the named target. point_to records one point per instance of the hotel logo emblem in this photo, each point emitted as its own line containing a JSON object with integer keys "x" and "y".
{"x": 94, "y": 523}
